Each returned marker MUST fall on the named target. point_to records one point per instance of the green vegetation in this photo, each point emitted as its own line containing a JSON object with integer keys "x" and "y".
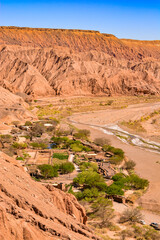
{"x": 20, "y": 158}
{"x": 135, "y": 125}
{"x": 48, "y": 171}
{"x": 66, "y": 143}
{"x": 93, "y": 185}
{"x": 61, "y": 156}
{"x": 102, "y": 209}
{"x": 66, "y": 167}
{"x": 19, "y": 145}
{"x": 88, "y": 166}
{"x": 78, "y": 147}
{"x": 115, "y": 190}
{"x": 82, "y": 134}
{"x": 37, "y": 145}
{"x": 118, "y": 154}
{"x": 28, "y": 123}
{"x": 122, "y": 182}
{"x": 47, "y": 110}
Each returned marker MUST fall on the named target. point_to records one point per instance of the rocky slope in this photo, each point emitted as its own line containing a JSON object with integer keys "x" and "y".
{"x": 29, "y": 210}
{"x": 42, "y": 62}
{"x": 13, "y": 107}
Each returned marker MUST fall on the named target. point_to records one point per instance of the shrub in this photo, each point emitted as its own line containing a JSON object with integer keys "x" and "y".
{"x": 67, "y": 167}
{"x": 102, "y": 141}
{"x": 114, "y": 189}
{"x": 130, "y": 165}
{"x": 48, "y": 171}
{"x": 37, "y": 130}
{"x": 28, "y": 123}
{"x": 118, "y": 177}
{"x": 102, "y": 208}
{"x": 88, "y": 194}
{"x": 131, "y": 215}
{"x": 82, "y": 134}
{"x": 102, "y": 186}
{"x": 39, "y": 145}
{"x": 6, "y": 138}
{"x": 19, "y": 145}
{"x": 20, "y": 158}
{"x": 118, "y": 154}
{"x": 78, "y": 147}
{"x": 86, "y": 165}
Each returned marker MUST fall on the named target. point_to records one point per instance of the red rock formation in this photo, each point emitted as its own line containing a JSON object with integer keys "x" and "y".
{"x": 42, "y": 62}
{"x": 13, "y": 107}
{"x": 29, "y": 210}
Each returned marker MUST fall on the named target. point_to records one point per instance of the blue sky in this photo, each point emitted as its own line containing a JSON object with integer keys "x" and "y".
{"x": 125, "y": 19}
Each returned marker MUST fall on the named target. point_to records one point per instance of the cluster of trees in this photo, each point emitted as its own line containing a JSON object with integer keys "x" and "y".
{"x": 49, "y": 171}
{"x": 36, "y": 145}
{"x": 66, "y": 143}
{"x": 93, "y": 184}
{"x": 122, "y": 182}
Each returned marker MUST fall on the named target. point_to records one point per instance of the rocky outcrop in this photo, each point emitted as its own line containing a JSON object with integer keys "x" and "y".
{"x": 13, "y": 107}
{"x": 29, "y": 210}
{"x": 40, "y": 62}
{"x": 68, "y": 204}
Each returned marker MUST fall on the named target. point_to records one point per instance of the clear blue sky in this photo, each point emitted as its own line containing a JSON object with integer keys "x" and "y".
{"x": 125, "y": 18}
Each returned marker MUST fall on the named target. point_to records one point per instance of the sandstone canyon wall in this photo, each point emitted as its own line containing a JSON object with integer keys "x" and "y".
{"x": 40, "y": 62}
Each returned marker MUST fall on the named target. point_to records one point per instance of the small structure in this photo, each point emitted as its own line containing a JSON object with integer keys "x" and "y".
{"x": 117, "y": 198}
{"x": 106, "y": 169}
{"x": 109, "y": 154}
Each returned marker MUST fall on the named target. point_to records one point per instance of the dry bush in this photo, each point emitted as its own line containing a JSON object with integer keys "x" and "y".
{"x": 102, "y": 141}
{"x": 131, "y": 215}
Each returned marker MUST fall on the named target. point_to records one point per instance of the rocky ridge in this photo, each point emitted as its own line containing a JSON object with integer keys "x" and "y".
{"x": 42, "y": 62}
{"x": 29, "y": 210}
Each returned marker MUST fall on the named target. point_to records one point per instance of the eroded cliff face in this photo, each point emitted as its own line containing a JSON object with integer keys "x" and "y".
{"x": 29, "y": 210}
{"x": 13, "y": 107}
{"x": 42, "y": 62}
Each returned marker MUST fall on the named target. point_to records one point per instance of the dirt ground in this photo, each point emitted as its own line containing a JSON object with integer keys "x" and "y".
{"x": 147, "y": 163}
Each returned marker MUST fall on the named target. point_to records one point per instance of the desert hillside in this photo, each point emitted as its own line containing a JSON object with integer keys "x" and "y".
{"x": 42, "y": 62}
{"x": 13, "y": 107}
{"x": 29, "y": 210}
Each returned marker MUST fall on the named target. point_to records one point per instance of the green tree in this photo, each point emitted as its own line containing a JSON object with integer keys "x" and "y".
{"x": 88, "y": 178}
{"x": 48, "y": 171}
{"x": 135, "y": 182}
{"x": 114, "y": 190}
{"x": 67, "y": 167}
